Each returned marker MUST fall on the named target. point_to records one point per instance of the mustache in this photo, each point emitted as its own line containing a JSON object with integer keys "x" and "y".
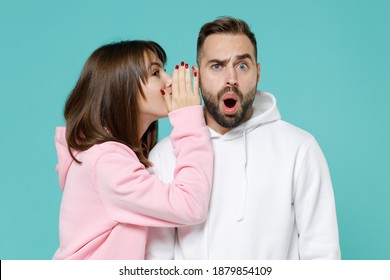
{"x": 230, "y": 89}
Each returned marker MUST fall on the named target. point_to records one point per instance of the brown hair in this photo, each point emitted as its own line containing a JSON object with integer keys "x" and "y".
{"x": 103, "y": 106}
{"x": 224, "y": 25}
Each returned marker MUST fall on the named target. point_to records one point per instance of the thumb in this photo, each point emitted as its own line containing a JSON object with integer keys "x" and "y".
{"x": 167, "y": 98}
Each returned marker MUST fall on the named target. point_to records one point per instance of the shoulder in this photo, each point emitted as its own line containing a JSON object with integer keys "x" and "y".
{"x": 164, "y": 145}
{"x": 294, "y": 130}
{"x": 288, "y": 131}
{"x": 163, "y": 149}
{"x": 109, "y": 148}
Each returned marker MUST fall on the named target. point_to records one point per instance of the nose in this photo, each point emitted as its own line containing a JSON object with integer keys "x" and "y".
{"x": 167, "y": 79}
{"x": 231, "y": 76}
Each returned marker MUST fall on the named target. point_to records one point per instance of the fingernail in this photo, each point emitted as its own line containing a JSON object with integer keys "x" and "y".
{"x": 177, "y": 67}
{"x": 182, "y": 63}
{"x": 186, "y": 66}
{"x": 162, "y": 91}
{"x": 195, "y": 74}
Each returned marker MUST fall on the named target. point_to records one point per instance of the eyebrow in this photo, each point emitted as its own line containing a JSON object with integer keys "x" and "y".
{"x": 238, "y": 57}
{"x": 244, "y": 56}
{"x": 156, "y": 64}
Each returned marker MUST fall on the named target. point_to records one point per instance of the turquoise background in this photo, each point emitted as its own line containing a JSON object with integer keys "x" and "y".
{"x": 327, "y": 63}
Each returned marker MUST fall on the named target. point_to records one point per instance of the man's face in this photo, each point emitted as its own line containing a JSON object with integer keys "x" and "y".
{"x": 228, "y": 78}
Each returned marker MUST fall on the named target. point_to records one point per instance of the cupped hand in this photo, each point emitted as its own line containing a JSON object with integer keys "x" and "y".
{"x": 184, "y": 93}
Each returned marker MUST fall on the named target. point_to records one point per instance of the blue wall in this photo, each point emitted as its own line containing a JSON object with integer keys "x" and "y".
{"x": 326, "y": 62}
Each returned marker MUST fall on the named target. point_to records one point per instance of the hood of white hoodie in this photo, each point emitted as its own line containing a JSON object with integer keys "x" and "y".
{"x": 264, "y": 111}
{"x": 64, "y": 158}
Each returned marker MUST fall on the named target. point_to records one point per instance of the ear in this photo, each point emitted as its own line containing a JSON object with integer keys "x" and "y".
{"x": 258, "y": 72}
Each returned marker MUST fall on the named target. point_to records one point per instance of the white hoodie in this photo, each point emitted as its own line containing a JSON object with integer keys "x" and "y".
{"x": 272, "y": 196}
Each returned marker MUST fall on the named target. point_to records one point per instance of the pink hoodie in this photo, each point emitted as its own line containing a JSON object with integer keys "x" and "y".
{"x": 110, "y": 199}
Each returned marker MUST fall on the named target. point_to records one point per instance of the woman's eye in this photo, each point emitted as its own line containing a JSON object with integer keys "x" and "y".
{"x": 156, "y": 73}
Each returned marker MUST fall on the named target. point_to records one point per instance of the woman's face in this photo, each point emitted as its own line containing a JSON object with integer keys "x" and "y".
{"x": 153, "y": 106}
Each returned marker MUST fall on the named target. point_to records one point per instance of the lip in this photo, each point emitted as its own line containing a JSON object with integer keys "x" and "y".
{"x": 227, "y": 99}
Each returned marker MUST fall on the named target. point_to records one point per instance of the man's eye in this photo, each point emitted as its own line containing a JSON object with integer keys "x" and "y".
{"x": 216, "y": 67}
{"x": 156, "y": 73}
{"x": 242, "y": 66}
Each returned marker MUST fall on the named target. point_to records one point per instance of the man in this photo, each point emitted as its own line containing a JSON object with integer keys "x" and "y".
{"x": 272, "y": 193}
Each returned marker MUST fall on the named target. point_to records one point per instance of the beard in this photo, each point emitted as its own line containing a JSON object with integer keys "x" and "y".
{"x": 212, "y": 103}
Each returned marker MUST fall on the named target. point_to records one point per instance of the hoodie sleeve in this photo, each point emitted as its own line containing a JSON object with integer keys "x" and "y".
{"x": 132, "y": 195}
{"x": 315, "y": 208}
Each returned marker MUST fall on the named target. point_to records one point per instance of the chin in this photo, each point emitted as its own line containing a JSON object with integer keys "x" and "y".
{"x": 163, "y": 115}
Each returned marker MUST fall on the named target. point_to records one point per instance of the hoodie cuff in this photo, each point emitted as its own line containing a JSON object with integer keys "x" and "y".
{"x": 190, "y": 116}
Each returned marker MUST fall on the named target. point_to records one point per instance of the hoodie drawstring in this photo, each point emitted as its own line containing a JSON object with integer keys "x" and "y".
{"x": 242, "y": 204}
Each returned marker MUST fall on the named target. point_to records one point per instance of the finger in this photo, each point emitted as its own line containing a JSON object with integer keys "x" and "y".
{"x": 175, "y": 80}
{"x": 188, "y": 79}
{"x": 182, "y": 84}
{"x": 195, "y": 73}
{"x": 168, "y": 99}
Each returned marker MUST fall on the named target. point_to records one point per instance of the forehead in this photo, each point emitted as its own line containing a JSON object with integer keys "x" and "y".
{"x": 150, "y": 58}
{"x": 222, "y": 46}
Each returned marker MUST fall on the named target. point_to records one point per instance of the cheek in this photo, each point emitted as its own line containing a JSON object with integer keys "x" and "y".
{"x": 155, "y": 93}
{"x": 248, "y": 81}
{"x": 211, "y": 84}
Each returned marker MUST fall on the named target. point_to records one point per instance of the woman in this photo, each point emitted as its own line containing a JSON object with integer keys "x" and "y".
{"x": 109, "y": 197}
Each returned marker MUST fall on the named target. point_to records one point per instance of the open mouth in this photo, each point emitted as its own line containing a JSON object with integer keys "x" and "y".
{"x": 230, "y": 103}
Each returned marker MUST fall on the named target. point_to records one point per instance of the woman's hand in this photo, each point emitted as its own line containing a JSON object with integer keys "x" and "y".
{"x": 183, "y": 93}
